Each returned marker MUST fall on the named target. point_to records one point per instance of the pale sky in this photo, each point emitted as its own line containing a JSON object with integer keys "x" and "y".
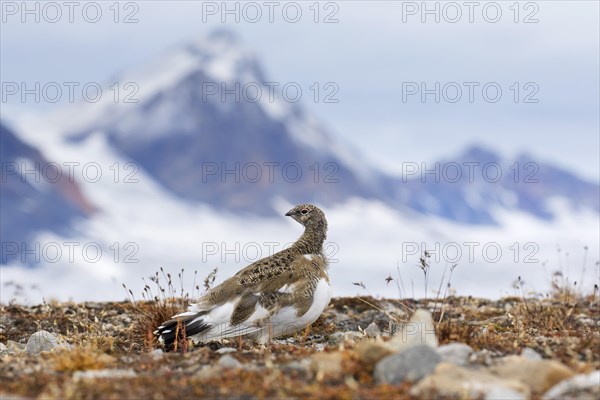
{"x": 374, "y": 52}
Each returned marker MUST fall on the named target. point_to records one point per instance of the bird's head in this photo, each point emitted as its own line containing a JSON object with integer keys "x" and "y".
{"x": 307, "y": 215}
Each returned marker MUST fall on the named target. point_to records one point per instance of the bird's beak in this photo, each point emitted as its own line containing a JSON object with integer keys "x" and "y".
{"x": 289, "y": 213}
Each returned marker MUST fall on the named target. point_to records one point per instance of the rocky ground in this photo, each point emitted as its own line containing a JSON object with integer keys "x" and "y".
{"x": 359, "y": 348}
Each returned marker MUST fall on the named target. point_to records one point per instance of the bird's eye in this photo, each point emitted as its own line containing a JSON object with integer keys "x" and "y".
{"x": 304, "y": 211}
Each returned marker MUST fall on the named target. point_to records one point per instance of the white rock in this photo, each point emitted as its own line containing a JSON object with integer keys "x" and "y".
{"x": 104, "y": 373}
{"x": 531, "y": 354}
{"x": 337, "y": 338}
{"x": 483, "y": 357}
{"x": 503, "y": 393}
{"x": 540, "y": 375}
{"x": 410, "y": 365}
{"x": 455, "y": 353}
{"x": 327, "y": 364}
{"x": 228, "y": 361}
{"x": 44, "y": 341}
{"x": 339, "y": 317}
{"x": 157, "y": 354}
{"x": 373, "y": 330}
{"x": 298, "y": 365}
{"x": 570, "y": 388}
{"x": 352, "y": 336}
{"x": 225, "y": 350}
{"x": 419, "y": 330}
{"x": 13, "y": 347}
{"x": 452, "y": 381}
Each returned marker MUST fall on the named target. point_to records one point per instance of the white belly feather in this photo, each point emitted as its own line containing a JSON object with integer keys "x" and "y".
{"x": 260, "y": 325}
{"x": 286, "y": 321}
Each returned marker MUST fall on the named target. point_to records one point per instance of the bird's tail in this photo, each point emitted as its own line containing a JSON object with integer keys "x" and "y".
{"x": 181, "y": 327}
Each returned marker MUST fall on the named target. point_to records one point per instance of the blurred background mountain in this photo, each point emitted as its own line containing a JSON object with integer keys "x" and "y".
{"x": 189, "y": 164}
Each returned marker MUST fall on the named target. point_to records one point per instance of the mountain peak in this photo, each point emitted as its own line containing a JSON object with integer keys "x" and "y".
{"x": 480, "y": 153}
{"x": 178, "y": 129}
{"x": 216, "y": 42}
{"x": 223, "y": 56}
{"x": 225, "y": 36}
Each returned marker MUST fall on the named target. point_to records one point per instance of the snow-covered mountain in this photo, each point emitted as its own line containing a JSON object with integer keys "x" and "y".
{"x": 204, "y": 138}
{"x": 35, "y": 195}
{"x": 474, "y": 184}
{"x": 211, "y": 166}
{"x": 208, "y": 146}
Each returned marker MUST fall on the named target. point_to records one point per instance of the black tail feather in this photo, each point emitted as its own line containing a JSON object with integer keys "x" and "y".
{"x": 180, "y": 328}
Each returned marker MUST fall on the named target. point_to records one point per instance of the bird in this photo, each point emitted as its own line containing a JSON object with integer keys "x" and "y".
{"x": 272, "y": 297}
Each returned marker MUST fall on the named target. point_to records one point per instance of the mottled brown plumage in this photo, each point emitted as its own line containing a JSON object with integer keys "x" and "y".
{"x": 286, "y": 280}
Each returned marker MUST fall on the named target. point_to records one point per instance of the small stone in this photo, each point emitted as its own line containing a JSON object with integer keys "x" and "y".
{"x": 586, "y": 321}
{"x": 298, "y": 366}
{"x": 4, "y": 350}
{"x": 104, "y": 374}
{"x": 482, "y": 357}
{"x": 43, "y": 341}
{"x": 157, "y": 354}
{"x": 339, "y": 317}
{"x": 335, "y": 338}
{"x": 451, "y": 381}
{"x": 411, "y": 365}
{"x": 370, "y": 352}
{"x": 418, "y": 331}
{"x": 352, "y": 336}
{"x": 208, "y": 372}
{"x": 13, "y": 347}
{"x": 327, "y": 365}
{"x": 319, "y": 346}
{"x": 502, "y": 393}
{"x": 338, "y": 338}
{"x": 225, "y": 350}
{"x": 531, "y": 354}
{"x": 585, "y": 386}
{"x": 229, "y": 362}
{"x": 285, "y": 341}
{"x": 539, "y": 375}
{"x": 373, "y": 330}
{"x": 455, "y": 353}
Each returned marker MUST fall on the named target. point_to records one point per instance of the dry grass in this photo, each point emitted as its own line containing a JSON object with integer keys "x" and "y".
{"x": 161, "y": 304}
{"x": 148, "y": 316}
{"x": 80, "y": 359}
{"x": 120, "y": 336}
{"x": 506, "y": 327}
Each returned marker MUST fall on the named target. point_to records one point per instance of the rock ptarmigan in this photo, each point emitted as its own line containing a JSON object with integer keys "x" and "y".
{"x": 274, "y": 296}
